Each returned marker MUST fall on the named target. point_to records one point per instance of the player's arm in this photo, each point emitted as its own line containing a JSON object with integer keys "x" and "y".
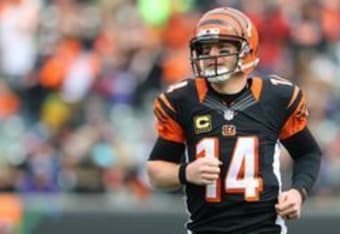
{"x": 306, "y": 153}
{"x": 301, "y": 145}
{"x": 164, "y": 168}
{"x": 164, "y": 164}
{"x": 166, "y": 172}
{"x": 164, "y": 161}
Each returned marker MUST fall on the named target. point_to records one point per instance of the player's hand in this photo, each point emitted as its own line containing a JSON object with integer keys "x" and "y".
{"x": 289, "y": 204}
{"x": 203, "y": 171}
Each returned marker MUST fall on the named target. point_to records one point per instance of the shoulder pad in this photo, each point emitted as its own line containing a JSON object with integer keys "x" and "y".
{"x": 281, "y": 90}
{"x": 179, "y": 91}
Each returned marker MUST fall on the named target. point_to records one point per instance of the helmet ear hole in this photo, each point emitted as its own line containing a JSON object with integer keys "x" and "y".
{"x": 245, "y": 50}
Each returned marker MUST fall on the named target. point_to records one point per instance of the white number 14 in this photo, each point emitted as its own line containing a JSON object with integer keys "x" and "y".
{"x": 242, "y": 174}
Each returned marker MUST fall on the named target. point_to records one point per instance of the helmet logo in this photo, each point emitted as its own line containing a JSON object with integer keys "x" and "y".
{"x": 208, "y": 31}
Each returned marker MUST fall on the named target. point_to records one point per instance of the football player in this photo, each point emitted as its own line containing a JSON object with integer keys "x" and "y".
{"x": 229, "y": 127}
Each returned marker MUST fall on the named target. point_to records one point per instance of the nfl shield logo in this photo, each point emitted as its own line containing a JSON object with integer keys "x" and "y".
{"x": 229, "y": 114}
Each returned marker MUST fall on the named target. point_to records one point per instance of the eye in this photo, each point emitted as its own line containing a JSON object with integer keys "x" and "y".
{"x": 225, "y": 51}
{"x": 205, "y": 50}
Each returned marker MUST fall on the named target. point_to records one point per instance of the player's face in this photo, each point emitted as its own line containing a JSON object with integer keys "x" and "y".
{"x": 222, "y": 57}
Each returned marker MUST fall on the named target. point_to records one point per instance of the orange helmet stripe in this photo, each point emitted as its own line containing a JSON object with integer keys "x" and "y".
{"x": 219, "y": 20}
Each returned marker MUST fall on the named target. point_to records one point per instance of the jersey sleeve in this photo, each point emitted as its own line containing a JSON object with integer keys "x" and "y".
{"x": 168, "y": 125}
{"x": 297, "y": 114}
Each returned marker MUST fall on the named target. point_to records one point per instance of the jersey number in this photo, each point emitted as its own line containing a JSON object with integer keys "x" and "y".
{"x": 276, "y": 80}
{"x": 242, "y": 175}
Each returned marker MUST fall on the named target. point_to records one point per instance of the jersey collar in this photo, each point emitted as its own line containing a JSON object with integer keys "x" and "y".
{"x": 202, "y": 88}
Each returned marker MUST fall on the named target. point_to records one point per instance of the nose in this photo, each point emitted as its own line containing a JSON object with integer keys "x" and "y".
{"x": 214, "y": 51}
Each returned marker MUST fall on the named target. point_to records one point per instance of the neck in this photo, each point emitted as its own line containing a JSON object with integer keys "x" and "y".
{"x": 231, "y": 86}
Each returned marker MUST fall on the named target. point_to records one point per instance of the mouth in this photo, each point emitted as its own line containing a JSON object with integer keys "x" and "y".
{"x": 213, "y": 72}
{"x": 213, "y": 65}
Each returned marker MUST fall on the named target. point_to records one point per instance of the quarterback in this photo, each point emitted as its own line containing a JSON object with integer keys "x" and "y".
{"x": 219, "y": 135}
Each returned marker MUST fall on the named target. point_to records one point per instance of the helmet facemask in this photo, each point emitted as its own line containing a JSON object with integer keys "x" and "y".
{"x": 208, "y": 66}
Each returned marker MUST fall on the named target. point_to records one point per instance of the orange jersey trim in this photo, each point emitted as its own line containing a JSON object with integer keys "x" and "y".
{"x": 202, "y": 88}
{"x": 256, "y": 87}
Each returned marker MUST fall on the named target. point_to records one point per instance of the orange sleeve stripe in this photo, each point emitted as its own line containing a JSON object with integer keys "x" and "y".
{"x": 202, "y": 89}
{"x": 158, "y": 107}
{"x": 294, "y": 124}
{"x": 159, "y": 116}
{"x": 256, "y": 88}
{"x": 171, "y": 131}
{"x": 293, "y": 98}
{"x": 167, "y": 103}
{"x": 167, "y": 128}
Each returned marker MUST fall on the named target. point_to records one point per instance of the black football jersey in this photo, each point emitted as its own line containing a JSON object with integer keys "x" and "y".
{"x": 243, "y": 135}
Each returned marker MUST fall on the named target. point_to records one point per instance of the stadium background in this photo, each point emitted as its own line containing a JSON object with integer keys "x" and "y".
{"x": 77, "y": 81}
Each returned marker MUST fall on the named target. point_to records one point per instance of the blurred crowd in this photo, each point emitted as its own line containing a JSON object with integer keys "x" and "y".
{"x": 78, "y": 77}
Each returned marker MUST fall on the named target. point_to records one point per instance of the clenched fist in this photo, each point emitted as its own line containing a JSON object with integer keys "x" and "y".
{"x": 203, "y": 171}
{"x": 289, "y": 204}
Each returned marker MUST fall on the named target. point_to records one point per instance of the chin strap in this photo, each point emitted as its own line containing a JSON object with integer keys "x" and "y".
{"x": 249, "y": 65}
{"x": 240, "y": 68}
